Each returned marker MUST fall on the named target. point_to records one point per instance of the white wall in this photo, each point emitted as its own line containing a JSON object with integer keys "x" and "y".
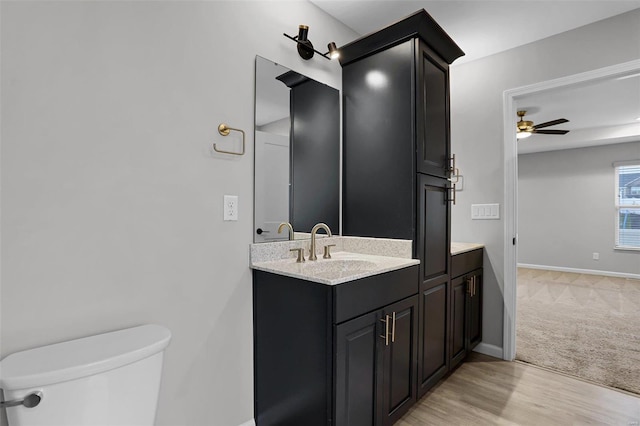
{"x": 566, "y": 208}
{"x": 476, "y": 128}
{"x": 111, "y": 193}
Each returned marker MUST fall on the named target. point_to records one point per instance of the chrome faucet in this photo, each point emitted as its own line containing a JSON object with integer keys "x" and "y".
{"x": 288, "y": 225}
{"x": 314, "y": 230}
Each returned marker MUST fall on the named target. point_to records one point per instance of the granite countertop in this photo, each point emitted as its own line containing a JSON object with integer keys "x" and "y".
{"x": 352, "y": 258}
{"x": 458, "y": 248}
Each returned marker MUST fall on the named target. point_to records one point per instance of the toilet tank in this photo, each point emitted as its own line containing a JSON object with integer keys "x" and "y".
{"x": 107, "y": 379}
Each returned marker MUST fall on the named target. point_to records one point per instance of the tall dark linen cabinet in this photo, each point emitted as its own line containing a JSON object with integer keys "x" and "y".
{"x": 397, "y": 161}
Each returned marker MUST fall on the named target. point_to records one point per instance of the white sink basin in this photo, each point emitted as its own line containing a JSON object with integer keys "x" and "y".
{"x": 337, "y": 268}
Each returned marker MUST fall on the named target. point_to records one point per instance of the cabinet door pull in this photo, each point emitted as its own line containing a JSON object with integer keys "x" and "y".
{"x": 470, "y": 286}
{"x": 454, "y": 173}
{"x": 451, "y": 197}
{"x": 452, "y": 166}
{"x": 386, "y": 330}
{"x": 393, "y": 329}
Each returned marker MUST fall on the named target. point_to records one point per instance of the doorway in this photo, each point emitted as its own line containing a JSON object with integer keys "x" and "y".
{"x": 510, "y": 106}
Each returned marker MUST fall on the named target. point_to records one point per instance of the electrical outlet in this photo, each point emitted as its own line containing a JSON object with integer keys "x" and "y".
{"x": 230, "y": 207}
{"x": 596, "y": 256}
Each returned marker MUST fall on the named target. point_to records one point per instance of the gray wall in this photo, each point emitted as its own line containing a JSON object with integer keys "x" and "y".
{"x": 566, "y": 208}
{"x": 111, "y": 193}
{"x": 476, "y": 128}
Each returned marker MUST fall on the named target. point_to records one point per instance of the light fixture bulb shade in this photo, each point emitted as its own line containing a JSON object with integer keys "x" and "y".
{"x": 303, "y": 32}
{"x": 523, "y": 135}
{"x": 334, "y": 53}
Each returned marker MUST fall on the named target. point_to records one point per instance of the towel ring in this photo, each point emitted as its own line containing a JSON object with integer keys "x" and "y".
{"x": 224, "y": 130}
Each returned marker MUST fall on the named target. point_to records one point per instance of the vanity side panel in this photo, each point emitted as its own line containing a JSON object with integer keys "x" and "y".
{"x": 378, "y": 145}
{"x": 293, "y": 347}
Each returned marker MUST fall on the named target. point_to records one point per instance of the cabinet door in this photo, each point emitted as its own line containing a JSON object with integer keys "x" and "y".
{"x": 459, "y": 317}
{"x": 432, "y": 112}
{"x": 399, "y": 370}
{"x": 474, "y": 332}
{"x": 433, "y": 252}
{"x": 358, "y": 361}
{"x": 433, "y": 357}
{"x": 433, "y": 227}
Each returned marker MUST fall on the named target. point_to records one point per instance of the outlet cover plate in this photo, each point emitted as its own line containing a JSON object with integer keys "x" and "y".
{"x": 230, "y": 208}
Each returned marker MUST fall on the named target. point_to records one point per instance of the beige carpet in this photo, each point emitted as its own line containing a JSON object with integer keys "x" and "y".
{"x": 584, "y": 325}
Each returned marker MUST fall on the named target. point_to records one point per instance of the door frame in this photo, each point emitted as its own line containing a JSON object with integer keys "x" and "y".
{"x": 510, "y": 158}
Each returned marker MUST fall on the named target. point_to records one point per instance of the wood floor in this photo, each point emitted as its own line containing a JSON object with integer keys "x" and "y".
{"x": 488, "y": 391}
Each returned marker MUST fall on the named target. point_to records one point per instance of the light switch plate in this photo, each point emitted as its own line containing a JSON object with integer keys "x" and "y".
{"x": 485, "y": 211}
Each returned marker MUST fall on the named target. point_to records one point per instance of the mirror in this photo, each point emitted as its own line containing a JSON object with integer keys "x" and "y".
{"x": 297, "y": 153}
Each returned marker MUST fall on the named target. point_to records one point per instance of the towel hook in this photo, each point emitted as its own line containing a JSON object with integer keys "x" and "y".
{"x": 224, "y": 130}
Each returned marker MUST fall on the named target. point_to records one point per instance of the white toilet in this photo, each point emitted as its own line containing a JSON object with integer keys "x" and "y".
{"x": 109, "y": 379}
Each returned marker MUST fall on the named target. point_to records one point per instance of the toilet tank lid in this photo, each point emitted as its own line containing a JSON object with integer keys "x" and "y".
{"x": 91, "y": 355}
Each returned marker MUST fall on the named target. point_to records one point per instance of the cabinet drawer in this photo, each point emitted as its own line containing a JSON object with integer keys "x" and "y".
{"x": 466, "y": 262}
{"x": 355, "y": 298}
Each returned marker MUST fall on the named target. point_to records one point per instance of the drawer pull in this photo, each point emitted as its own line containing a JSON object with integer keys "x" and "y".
{"x": 393, "y": 329}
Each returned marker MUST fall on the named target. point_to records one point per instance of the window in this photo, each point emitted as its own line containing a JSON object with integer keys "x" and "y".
{"x": 628, "y": 205}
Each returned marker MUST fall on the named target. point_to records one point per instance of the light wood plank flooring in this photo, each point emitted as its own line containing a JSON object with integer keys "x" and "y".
{"x": 488, "y": 391}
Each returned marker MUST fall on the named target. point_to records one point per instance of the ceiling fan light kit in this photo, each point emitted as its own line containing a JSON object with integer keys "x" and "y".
{"x": 525, "y": 128}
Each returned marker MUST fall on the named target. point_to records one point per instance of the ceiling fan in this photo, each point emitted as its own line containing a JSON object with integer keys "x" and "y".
{"x": 526, "y": 128}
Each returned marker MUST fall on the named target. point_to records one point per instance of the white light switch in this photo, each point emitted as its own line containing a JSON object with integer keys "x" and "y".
{"x": 485, "y": 211}
{"x": 230, "y": 207}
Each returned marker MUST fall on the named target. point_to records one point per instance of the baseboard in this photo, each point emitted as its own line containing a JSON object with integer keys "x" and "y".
{"x": 487, "y": 349}
{"x": 580, "y": 271}
{"x": 249, "y": 422}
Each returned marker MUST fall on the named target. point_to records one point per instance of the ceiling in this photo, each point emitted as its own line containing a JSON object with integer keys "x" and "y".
{"x": 599, "y": 113}
{"x": 482, "y": 28}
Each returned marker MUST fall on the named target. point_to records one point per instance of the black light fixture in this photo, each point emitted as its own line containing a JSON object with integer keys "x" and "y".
{"x": 334, "y": 53}
{"x": 305, "y": 47}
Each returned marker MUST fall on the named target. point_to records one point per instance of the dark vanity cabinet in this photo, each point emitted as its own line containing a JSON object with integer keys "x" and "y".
{"x": 466, "y": 304}
{"x": 395, "y": 85}
{"x": 375, "y": 365}
{"x": 340, "y": 355}
{"x": 397, "y": 162}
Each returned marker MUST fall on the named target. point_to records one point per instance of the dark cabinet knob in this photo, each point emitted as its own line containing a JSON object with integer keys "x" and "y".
{"x": 259, "y": 231}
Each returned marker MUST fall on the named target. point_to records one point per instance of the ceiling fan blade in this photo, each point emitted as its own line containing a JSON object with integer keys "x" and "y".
{"x": 550, "y": 132}
{"x": 551, "y": 123}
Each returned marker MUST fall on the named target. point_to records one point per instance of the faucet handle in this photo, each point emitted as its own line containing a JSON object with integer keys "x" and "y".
{"x": 300, "y": 251}
{"x": 327, "y": 251}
